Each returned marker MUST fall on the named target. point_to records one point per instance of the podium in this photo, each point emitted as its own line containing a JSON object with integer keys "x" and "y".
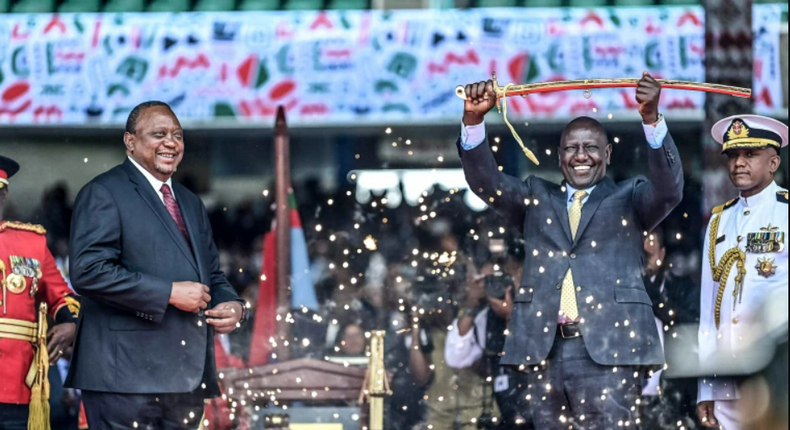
{"x": 311, "y": 383}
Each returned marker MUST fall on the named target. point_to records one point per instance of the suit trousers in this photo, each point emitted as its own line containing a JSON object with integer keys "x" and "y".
{"x": 570, "y": 389}
{"x": 109, "y": 411}
{"x": 13, "y": 417}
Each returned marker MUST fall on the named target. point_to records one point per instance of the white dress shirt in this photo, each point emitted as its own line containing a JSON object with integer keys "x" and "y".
{"x": 572, "y": 191}
{"x": 155, "y": 183}
{"x": 462, "y": 352}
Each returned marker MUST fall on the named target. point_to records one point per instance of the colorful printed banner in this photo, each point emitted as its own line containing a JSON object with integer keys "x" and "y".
{"x": 349, "y": 68}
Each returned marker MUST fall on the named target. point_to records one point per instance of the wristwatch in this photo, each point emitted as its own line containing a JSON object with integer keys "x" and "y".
{"x": 244, "y": 312}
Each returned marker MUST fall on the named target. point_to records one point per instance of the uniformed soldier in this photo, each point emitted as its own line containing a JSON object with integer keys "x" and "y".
{"x": 32, "y": 289}
{"x": 747, "y": 259}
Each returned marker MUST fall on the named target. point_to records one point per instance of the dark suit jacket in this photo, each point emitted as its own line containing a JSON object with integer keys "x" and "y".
{"x": 126, "y": 252}
{"x": 607, "y": 257}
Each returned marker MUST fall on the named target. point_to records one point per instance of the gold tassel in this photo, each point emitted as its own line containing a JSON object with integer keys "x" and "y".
{"x": 530, "y": 155}
{"x": 39, "y": 393}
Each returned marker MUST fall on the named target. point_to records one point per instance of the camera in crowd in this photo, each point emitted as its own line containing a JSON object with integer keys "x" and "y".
{"x": 498, "y": 284}
{"x": 437, "y": 279}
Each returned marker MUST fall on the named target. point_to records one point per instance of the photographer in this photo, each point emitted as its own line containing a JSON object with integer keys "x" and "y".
{"x": 475, "y": 345}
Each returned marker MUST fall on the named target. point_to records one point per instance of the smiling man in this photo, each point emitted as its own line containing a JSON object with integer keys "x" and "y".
{"x": 582, "y": 323}
{"x": 144, "y": 260}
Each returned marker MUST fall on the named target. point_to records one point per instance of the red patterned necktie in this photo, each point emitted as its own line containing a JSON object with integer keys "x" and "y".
{"x": 175, "y": 212}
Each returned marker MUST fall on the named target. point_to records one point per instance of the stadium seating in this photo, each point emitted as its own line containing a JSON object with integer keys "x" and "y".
{"x": 348, "y": 4}
{"x": 498, "y": 3}
{"x": 34, "y": 6}
{"x": 84, "y": 6}
{"x": 214, "y": 5}
{"x": 254, "y": 5}
{"x": 680, "y": 2}
{"x": 113, "y": 6}
{"x": 543, "y": 3}
{"x": 634, "y": 2}
{"x": 169, "y": 6}
{"x": 303, "y": 4}
{"x": 588, "y": 3}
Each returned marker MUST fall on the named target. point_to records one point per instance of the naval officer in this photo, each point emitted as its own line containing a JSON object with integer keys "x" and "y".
{"x": 747, "y": 253}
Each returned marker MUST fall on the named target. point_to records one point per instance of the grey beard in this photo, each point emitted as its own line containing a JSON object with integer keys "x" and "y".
{"x": 165, "y": 171}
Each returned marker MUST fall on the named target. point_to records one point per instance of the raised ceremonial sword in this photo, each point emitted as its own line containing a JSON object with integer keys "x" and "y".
{"x": 512, "y": 90}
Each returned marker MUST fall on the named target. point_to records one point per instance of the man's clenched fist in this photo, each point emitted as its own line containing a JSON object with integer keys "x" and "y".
{"x": 190, "y": 296}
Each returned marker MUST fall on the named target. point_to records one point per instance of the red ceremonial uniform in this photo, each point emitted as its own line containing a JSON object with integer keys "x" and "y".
{"x": 23, "y": 252}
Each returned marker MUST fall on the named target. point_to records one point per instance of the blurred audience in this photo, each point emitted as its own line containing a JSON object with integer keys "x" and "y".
{"x": 429, "y": 276}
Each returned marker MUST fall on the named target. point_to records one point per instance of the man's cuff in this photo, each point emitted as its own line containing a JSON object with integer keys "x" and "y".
{"x": 65, "y": 315}
{"x": 472, "y": 136}
{"x": 656, "y": 133}
{"x": 704, "y": 391}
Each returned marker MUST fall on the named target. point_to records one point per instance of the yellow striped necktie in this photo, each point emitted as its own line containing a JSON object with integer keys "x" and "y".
{"x": 568, "y": 306}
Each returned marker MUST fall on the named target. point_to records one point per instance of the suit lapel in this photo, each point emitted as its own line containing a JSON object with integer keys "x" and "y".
{"x": 188, "y": 213}
{"x": 588, "y": 210}
{"x": 151, "y": 198}
{"x": 559, "y": 201}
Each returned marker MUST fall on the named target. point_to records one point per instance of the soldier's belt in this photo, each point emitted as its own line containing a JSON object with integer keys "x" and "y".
{"x": 18, "y": 330}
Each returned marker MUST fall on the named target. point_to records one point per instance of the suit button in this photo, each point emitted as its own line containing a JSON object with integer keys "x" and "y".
{"x": 573, "y": 256}
{"x": 559, "y": 286}
{"x": 579, "y": 289}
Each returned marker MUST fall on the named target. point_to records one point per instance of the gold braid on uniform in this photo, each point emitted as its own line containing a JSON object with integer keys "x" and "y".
{"x": 714, "y": 232}
{"x": 37, "y": 378}
{"x": 24, "y": 227}
{"x": 722, "y": 274}
{"x": 73, "y": 305}
{"x": 721, "y": 271}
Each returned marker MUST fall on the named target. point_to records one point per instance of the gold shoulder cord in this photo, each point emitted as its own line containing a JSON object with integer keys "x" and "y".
{"x": 721, "y": 272}
{"x": 714, "y": 233}
{"x": 33, "y": 228}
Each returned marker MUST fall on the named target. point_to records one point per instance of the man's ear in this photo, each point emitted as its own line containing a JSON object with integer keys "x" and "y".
{"x": 609, "y": 150}
{"x": 128, "y": 141}
{"x": 776, "y": 162}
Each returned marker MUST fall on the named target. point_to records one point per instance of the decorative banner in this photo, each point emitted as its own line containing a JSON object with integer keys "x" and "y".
{"x": 350, "y": 68}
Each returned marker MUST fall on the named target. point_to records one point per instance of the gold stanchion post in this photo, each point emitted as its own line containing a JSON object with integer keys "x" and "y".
{"x": 376, "y": 386}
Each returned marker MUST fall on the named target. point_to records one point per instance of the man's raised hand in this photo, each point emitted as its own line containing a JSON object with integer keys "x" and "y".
{"x": 648, "y": 94}
{"x": 480, "y": 99}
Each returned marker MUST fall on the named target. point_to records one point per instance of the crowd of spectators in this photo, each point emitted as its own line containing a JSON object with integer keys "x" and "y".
{"x": 420, "y": 274}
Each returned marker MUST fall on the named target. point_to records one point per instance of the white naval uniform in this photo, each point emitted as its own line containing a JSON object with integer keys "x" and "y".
{"x": 739, "y": 327}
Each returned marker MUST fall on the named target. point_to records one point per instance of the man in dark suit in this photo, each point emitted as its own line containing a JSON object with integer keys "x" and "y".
{"x": 144, "y": 260}
{"x": 582, "y": 321}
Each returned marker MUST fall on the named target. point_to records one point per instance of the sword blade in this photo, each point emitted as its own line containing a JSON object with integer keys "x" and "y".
{"x": 593, "y": 84}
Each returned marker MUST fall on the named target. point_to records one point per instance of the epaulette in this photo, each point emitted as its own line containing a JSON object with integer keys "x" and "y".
{"x": 719, "y": 209}
{"x": 33, "y": 228}
{"x": 781, "y": 197}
